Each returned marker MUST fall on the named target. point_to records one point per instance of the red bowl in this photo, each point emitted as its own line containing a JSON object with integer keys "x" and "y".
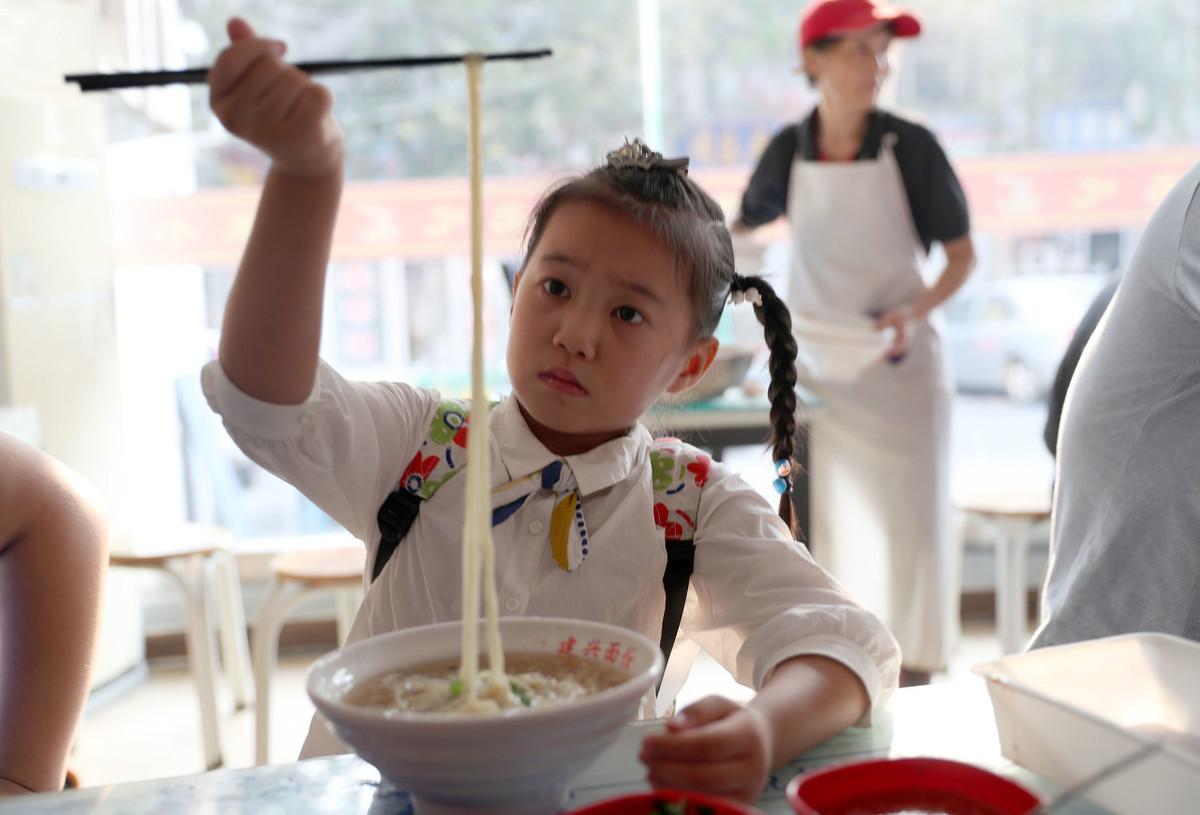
{"x": 642, "y": 803}
{"x": 891, "y": 785}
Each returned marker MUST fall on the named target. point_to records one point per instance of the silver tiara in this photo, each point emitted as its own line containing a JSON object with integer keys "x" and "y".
{"x": 635, "y": 154}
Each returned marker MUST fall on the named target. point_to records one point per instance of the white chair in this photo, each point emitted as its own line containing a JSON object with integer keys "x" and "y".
{"x": 298, "y": 577}
{"x": 200, "y": 560}
{"x": 1012, "y": 523}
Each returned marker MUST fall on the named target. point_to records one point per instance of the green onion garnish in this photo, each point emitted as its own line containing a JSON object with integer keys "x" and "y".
{"x": 520, "y": 693}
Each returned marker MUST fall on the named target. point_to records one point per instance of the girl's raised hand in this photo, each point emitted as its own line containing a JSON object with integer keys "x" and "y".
{"x": 274, "y": 106}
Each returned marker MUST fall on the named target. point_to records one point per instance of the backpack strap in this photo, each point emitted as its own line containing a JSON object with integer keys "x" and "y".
{"x": 678, "y": 473}
{"x": 442, "y": 455}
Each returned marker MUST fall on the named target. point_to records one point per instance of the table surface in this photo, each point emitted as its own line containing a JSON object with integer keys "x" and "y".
{"x": 951, "y": 720}
{"x": 733, "y": 409}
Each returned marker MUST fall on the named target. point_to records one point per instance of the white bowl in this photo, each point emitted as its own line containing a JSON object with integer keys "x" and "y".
{"x": 1068, "y": 711}
{"x": 838, "y": 349}
{"x": 515, "y": 762}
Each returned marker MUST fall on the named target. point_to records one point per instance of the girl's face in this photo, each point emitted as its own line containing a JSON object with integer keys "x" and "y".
{"x": 601, "y": 327}
{"x": 850, "y": 72}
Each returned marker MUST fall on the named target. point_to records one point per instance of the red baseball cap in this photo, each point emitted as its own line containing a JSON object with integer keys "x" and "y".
{"x": 830, "y": 17}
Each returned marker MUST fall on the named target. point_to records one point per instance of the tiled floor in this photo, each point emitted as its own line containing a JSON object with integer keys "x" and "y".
{"x": 152, "y": 730}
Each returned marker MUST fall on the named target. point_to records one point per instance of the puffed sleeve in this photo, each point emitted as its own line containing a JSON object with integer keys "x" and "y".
{"x": 344, "y": 447}
{"x": 760, "y": 598}
{"x": 766, "y": 196}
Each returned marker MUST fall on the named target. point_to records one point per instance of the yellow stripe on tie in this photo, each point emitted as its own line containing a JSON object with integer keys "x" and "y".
{"x": 560, "y": 531}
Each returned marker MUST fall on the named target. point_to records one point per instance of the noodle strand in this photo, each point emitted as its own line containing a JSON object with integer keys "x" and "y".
{"x": 479, "y": 554}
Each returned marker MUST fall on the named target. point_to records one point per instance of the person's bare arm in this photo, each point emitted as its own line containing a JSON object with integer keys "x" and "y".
{"x": 53, "y": 557}
{"x": 960, "y": 259}
{"x": 272, "y": 326}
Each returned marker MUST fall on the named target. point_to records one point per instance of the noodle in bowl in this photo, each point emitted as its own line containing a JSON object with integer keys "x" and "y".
{"x": 515, "y": 762}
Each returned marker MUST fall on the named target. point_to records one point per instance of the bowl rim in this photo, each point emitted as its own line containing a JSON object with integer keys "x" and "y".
{"x": 672, "y": 794}
{"x": 361, "y": 715}
{"x": 793, "y": 788}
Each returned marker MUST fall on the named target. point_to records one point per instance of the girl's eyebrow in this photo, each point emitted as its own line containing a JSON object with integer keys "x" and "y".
{"x": 638, "y": 288}
{"x": 631, "y": 285}
{"x": 559, "y": 257}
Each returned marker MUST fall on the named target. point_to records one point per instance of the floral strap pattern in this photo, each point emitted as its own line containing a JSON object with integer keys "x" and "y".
{"x": 443, "y": 453}
{"x": 679, "y": 471}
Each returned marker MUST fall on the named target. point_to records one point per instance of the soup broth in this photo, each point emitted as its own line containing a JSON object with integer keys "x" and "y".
{"x": 530, "y": 681}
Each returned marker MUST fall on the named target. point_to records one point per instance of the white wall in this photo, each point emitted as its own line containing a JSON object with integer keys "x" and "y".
{"x": 57, "y": 321}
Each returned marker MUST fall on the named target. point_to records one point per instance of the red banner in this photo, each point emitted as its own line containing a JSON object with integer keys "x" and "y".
{"x": 1017, "y": 194}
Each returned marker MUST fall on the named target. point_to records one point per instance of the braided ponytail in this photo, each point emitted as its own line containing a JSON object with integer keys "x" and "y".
{"x": 776, "y": 321}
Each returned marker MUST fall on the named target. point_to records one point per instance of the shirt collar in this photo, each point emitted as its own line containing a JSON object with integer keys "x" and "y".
{"x": 872, "y": 140}
{"x": 597, "y": 469}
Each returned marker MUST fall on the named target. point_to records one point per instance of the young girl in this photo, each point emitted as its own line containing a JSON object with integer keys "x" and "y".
{"x": 626, "y": 274}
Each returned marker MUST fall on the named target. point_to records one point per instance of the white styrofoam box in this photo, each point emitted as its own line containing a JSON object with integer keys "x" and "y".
{"x": 1068, "y": 711}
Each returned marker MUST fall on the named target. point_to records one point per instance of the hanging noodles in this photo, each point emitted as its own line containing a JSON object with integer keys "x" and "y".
{"x": 479, "y": 553}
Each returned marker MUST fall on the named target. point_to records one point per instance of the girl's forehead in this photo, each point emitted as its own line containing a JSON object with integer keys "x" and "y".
{"x": 603, "y": 232}
{"x": 593, "y": 237}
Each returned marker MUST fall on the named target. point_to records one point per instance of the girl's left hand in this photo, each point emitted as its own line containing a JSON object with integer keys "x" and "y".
{"x": 715, "y": 746}
{"x": 900, "y": 319}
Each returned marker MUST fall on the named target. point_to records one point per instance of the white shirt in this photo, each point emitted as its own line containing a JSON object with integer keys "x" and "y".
{"x": 1125, "y": 542}
{"x": 759, "y": 598}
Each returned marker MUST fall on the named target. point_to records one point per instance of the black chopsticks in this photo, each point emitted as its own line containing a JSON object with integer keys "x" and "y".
{"x": 145, "y": 79}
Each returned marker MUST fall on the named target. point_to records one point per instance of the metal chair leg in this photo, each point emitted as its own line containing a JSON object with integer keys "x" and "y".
{"x": 1011, "y": 616}
{"x": 235, "y": 646}
{"x": 281, "y": 599}
{"x": 348, "y": 601}
{"x": 194, "y": 579}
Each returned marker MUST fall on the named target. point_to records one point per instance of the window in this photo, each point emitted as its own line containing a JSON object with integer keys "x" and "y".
{"x": 1061, "y": 156}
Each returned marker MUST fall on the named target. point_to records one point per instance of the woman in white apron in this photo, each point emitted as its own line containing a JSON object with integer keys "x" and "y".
{"x": 867, "y": 193}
